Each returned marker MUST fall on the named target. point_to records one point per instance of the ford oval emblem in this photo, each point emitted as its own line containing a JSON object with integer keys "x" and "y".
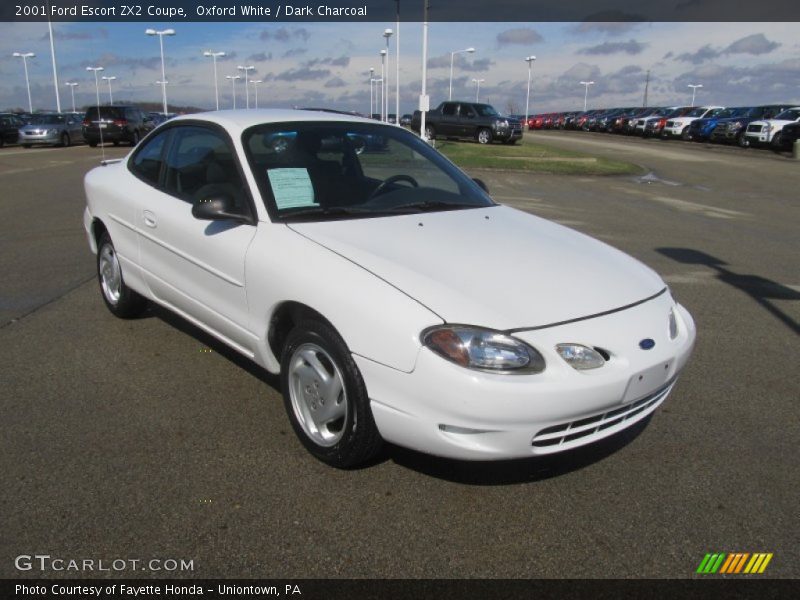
{"x": 646, "y": 344}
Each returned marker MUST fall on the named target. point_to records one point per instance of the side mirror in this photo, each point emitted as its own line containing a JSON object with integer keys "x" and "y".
{"x": 218, "y": 208}
{"x": 481, "y": 184}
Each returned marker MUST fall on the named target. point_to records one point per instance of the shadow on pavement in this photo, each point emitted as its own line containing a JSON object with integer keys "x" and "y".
{"x": 760, "y": 289}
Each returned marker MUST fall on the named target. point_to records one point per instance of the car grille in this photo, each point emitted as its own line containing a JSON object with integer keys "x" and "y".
{"x": 754, "y": 128}
{"x": 573, "y": 430}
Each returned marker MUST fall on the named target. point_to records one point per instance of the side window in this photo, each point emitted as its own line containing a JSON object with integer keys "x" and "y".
{"x": 467, "y": 111}
{"x": 200, "y": 165}
{"x": 146, "y": 162}
{"x": 449, "y": 110}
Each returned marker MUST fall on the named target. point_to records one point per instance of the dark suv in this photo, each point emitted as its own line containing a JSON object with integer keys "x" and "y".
{"x": 113, "y": 124}
{"x": 9, "y": 128}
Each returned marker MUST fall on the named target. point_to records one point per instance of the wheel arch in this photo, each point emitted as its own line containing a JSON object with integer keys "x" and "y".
{"x": 283, "y": 319}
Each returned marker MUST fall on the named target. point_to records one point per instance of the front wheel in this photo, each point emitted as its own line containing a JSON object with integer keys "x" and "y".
{"x": 777, "y": 140}
{"x": 742, "y": 141}
{"x": 686, "y": 135}
{"x": 325, "y": 397}
{"x": 484, "y": 136}
{"x": 121, "y": 300}
{"x": 65, "y": 142}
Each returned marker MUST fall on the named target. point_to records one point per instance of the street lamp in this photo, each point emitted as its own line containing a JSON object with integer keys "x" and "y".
{"x": 109, "y": 80}
{"x": 96, "y": 86}
{"x": 255, "y": 83}
{"x": 694, "y": 89}
{"x": 397, "y": 65}
{"x": 233, "y": 79}
{"x": 586, "y": 93}
{"x": 371, "y": 83}
{"x": 452, "y": 57}
{"x": 72, "y": 85}
{"x": 383, "y": 78}
{"x": 530, "y": 60}
{"x": 161, "y": 35}
{"x": 387, "y": 33}
{"x": 376, "y": 81}
{"x": 25, "y": 56}
{"x": 215, "y": 56}
{"x": 246, "y": 89}
{"x": 477, "y": 88}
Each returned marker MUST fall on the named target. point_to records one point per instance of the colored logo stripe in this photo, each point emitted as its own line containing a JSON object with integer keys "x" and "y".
{"x": 734, "y": 563}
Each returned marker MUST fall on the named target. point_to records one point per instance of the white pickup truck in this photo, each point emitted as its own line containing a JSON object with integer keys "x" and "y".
{"x": 769, "y": 130}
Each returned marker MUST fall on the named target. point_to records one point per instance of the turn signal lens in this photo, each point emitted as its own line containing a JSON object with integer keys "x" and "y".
{"x": 673, "y": 324}
{"x": 580, "y": 357}
{"x": 483, "y": 349}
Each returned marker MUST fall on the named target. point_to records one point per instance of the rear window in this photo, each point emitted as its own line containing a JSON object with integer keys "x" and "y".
{"x": 106, "y": 112}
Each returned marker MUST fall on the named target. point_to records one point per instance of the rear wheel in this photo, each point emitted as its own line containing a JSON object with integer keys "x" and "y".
{"x": 135, "y": 138}
{"x": 325, "y": 397}
{"x": 484, "y": 136}
{"x": 121, "y": 300}
{"x": 93, "y": 144}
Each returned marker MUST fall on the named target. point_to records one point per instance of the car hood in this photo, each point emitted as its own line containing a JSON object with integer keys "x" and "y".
{"x": 496, "y": 267}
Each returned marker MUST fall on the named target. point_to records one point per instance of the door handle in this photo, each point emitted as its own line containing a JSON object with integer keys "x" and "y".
{"x": 149, "y": 219}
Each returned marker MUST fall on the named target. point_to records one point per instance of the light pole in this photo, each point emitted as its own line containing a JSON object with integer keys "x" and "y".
{"x": 53, "y": 58}
{"x": 233, "y": 79}
{"x": 397, "y": 66}
{"x": 255, "y": 83}
{"x": 694, "y": 89}
{"x": 214, "y": 56}
{"x": 477, "y": 88}
{"x": 109, "y": 80}
{"x": 96, "y": 86}
{"x": 246, "y": 69}
{"x": 383, "y": 78}
{"x": 387, "y": 33}
{"x": 586, "y": 93}
{"x": 424, "y": 100}
{"x": 25, "y": 56}
{"x": 161, "y": 35}
{"x": 72, "y": 85}
{"x": 371, "y": 84}
{"x": 530, "y": 60}
{"x": 376, "y": 81}
{"x": 452, "y": 57}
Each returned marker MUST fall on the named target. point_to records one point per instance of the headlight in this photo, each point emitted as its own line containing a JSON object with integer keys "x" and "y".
{"x": 580, "y": 357}
{"x": 483, "y": 349}
{"x": 735, "y": 125}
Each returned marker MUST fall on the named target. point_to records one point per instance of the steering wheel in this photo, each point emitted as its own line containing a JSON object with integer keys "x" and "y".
{"x": 389, "y": 181}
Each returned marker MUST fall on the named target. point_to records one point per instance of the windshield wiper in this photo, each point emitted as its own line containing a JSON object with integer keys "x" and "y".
{"x": 431, "y": 205}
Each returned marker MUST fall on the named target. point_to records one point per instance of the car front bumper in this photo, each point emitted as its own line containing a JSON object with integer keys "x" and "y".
{"x": 39, "y": 138}
{"x": 445, "y": 410}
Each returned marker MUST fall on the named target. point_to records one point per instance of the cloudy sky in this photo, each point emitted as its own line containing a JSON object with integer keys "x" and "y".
{"x": 325, "y": 64}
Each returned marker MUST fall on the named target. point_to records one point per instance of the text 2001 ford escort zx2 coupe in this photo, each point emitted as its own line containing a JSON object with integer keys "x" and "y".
{"x": 397, "y": 301}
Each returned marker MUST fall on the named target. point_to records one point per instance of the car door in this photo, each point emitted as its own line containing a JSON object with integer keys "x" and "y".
{"x": 467, "y": 118}
{"x": 448, "y": 125}
{"x": 197, "y": 267}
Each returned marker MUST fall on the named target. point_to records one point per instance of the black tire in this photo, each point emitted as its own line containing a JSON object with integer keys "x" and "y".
{"x": 430, "y": 132}
{"x": 116, "y": 142}
{"x": 686, "y": 135}
{"x": 127, "y": 304}
{"x": 65, "y": 142}
{"x": 355, "y": 438}
{"x": 484, "y": 135}
{"x": 777, "y": 140}
{"x": 742, "y": 141}
{"x": 93, "y": 144}
{"x": 135, "y": 138}
{"x": 26, "y": 145}
{"x": 2, "y": 142}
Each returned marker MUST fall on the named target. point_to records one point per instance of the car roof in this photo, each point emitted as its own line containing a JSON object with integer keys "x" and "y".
{"x": 241, "y": 119}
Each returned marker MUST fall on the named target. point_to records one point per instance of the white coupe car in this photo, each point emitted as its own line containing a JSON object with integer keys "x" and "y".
{"x": 397, "y": 301}
{"x": 679, "y": 126}
{"x": 769, "y": 130}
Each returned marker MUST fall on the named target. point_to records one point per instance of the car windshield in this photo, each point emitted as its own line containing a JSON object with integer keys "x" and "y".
{"x": 791, "y": 114}
{"x": 336, "y": 170}
{"x": 697, "y": 112}
{"x": 46, "y": 119}
{"x": 732, "y": 112}
{"x": 485, "y": 110}
{"x": 717, "y": 112}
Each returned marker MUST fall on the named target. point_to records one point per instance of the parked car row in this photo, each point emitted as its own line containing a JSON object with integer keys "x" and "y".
{"x": 764, "y": 125}
{"x": 114, "y": 124}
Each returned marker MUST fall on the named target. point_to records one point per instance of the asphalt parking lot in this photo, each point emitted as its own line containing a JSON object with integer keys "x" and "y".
{"x": 146, "y": 439}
